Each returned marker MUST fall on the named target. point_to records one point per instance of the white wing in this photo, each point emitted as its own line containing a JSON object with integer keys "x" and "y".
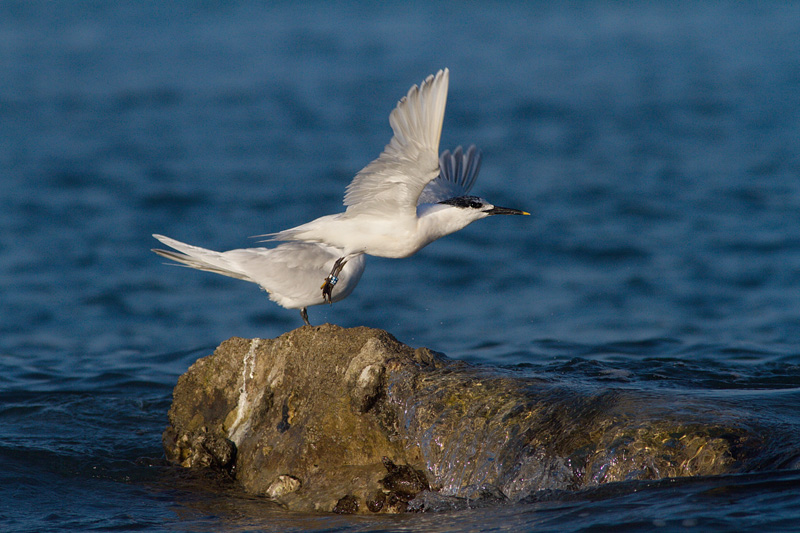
{"x": 392, "y": 183}
{"x": 457, "y": 174}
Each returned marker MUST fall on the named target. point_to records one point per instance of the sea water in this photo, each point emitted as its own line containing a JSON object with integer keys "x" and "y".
{"x": 656, "y": 145}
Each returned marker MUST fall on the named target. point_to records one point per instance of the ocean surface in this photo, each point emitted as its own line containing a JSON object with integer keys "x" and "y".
{"x": 656, "y": 145}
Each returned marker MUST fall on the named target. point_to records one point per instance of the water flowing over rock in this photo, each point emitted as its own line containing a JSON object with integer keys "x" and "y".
{"x": 353, "y": 421}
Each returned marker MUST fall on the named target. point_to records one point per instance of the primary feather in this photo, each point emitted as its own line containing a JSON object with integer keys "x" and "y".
{"x": 457, "y": 174}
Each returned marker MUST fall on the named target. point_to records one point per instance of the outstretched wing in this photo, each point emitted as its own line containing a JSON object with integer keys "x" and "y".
{"x": 393, "y": 182}
{"x": 457, "y": 174}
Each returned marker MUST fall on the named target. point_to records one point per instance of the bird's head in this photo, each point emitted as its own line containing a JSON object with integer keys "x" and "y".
{"x": 445, "y": 217}
{"x": 473, "y": 208}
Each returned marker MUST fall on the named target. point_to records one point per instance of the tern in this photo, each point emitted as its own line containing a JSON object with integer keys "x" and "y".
{"x": 384, "y": 216}
{"x": 291, "y": 272}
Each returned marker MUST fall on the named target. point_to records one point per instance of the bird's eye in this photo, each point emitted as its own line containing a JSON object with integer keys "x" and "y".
{"x": 475, "y": 205}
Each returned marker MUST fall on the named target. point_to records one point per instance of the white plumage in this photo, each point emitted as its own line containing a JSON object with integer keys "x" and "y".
{"x": 399, "y": 203}
{"x": 291, "y": 273}
{"x": 383, "y": 217}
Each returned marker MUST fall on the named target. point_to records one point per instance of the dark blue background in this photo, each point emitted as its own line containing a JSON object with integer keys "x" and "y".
{"x": 657, "y": 146}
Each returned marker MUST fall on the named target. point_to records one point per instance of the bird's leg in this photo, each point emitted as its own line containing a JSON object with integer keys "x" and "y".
{"x": 304, "y": 314}
{"x": 332, "y": 279}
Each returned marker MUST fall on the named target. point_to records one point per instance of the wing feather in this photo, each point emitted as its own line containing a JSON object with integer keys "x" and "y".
{"x": 457, "y": 174}
{"x": 393, "y": 182}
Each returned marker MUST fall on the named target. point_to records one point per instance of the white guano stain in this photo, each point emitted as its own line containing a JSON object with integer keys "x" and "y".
{"x": 238, "y": 429}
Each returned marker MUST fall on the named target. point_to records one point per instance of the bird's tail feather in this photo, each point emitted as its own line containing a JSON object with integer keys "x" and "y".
{"x": 198, "y": 258}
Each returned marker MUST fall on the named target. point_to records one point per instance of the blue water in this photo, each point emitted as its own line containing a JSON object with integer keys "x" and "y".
{"x": 657, "y": 146}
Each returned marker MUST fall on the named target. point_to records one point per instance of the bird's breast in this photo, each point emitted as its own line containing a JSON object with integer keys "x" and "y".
{"x": 382, "y": 237}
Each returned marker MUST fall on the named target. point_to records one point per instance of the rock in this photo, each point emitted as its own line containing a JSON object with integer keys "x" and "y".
{"x": 346, "y": 505}
{"x": 282, "y": 486}
{"x": 305, "y": 407}
{"x": 404, "y": 481}
{"x": 377, "y": 502}
{"x": 351, "y": 420}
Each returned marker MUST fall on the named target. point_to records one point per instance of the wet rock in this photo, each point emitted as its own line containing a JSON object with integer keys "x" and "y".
{"x": 436, "y": 502}
{"x": 376, "y": 503}
{"x": 403, "y": 479}
{"x": 346, "y": 505}
{"x": 402, "y": 483}
{"x": 199, "y": 449}
{"x": 325, "y": 418}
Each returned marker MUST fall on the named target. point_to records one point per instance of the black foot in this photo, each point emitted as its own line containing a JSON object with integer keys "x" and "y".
{"x": 304, "y": 314}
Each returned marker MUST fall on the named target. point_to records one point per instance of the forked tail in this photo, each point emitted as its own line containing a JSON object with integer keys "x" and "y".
{"x": 198, "y": 258}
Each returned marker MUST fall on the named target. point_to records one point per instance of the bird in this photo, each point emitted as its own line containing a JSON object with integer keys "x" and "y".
{"x": 290, "y": 272}
{"x": 383, "y": 216}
